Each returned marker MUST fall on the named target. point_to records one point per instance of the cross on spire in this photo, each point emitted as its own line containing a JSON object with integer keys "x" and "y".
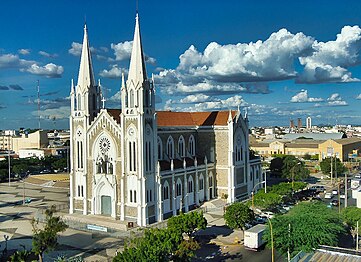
{"x": 103, "y": 100}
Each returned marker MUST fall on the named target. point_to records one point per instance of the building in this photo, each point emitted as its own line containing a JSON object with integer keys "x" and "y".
{"x": 137, "y": 164}
{"x": 299, "y": 123}
{"x": 35, "y": 140}
{"x": 343, "y": 148}
{"x": 309, "y": 123}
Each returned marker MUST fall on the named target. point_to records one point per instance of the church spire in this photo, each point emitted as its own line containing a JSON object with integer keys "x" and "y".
{"x": 86, "y": 75}
{"x": 137, "y": 73}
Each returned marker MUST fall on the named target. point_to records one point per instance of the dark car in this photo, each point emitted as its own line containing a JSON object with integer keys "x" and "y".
{"x": 334, "y": 202}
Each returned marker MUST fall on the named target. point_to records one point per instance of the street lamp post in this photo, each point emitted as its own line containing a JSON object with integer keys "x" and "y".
{"x": 271, "y": 231}
{"x": 9, "y": 164}
{"x": 252, "y": 192}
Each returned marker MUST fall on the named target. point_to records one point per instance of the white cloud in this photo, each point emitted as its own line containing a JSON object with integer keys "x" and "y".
{"x": 46, "y": 54}
{"x": 190, "y": 99}
{"x": 75, "y": 49}
{"x": 50, "y": 70}
{"x": 13, "y": 61}
{"x": 302, "y": 97}
{"x": 114, "y": 72}
{"x": 58, "y": 113}
{"x": 330, "y": 60}
{"x": 24, "y": 51}
{"x": 122, "y": 50}
{"x": 359, "y": 96}
{"x": 336, "y": 100}
{"x": 218, "y": 104}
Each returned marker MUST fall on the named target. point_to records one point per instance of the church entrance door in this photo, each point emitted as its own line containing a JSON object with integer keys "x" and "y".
{"x": 106, "y": 207}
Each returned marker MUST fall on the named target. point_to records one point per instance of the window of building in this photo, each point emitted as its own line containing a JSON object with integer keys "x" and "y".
{"x": 179, "y": 188}
{"x": 170, "y": 147}
{"x": 190, "y": 184}
{"x": 201, "y": 183}
{"x": 166, "y": 191}
{"x": 131, "y": 98}
{"x": 191, "y": 146}
{"x": 132, "y": 156}
{"x": 181, "y": 146}
{"x": 160, "y": 148}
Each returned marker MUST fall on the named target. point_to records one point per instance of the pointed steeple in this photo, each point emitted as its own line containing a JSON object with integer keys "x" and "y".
{"x": 86, "y": 75}
{"x": 137, "y": 73}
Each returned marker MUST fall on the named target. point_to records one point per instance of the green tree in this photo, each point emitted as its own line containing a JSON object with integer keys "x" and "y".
{"x": 166, "y": 244}
{"x": 19, "y": 168}
{"x": 46, "y": 239}
{"x": 267, "y": 200}
{"x": 350, "y": 216}
{"x": 276, "y": 164}
{"x": 294, "y": 169}
{"x": 59, "y": 164}
{"x": 312, "y": 224}
{"x": 237, "y": 215}
{"x": 187, "y": 222}
{"x": 336, "y": 166}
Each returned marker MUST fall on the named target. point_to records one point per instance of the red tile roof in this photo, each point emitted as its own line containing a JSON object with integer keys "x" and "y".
{"x": 169, "y": 118}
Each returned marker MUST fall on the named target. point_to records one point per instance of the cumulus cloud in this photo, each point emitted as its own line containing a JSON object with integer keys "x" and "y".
{"x": 75, "y": 49}
{"x": 123, "y": 50}
{"x": 330, "y": 60}
{"x": 12, "y": 61}
{"x": 302, "y": 97}
{"x": 336, "y": 100}
{"x": 217, "y": 104}
{"x": 114, "y": 72}
{"x": 24, "y": 51}
{"x": 50, "y": 70}
{"x": 359, "y": 96}
{"x": 191, "y": 99}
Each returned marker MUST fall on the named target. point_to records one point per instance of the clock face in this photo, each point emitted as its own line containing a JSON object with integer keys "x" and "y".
{"x": 131, "y": 131}
{"x": 104, "y": 145}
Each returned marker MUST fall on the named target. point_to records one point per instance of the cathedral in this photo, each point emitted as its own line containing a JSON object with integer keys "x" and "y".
{"x": 136, "y": 164}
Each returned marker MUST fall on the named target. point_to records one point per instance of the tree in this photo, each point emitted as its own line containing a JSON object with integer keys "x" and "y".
{"x": 276, "y": 164}
{"x": 237, "y": 215}
{"x": 337, "y": 167}
{"x": 294, "y": 169}
{"x": 46, "y": 239}
{"x": 350, "y": 216}
{"x": 267, "y": 200}
{"x": 312, "y": 224}
{"x": 187, "y": 222}
{"x": 167, "y": 244}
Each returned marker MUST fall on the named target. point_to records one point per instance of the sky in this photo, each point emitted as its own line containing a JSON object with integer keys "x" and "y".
{"x": 275, "y": 60}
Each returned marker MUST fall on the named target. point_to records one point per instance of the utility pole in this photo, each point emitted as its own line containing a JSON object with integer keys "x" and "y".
{"x": 331, "y": 168}
{"x": 9, "y": 164}
{"x": 346, "y": 188}
{"x": 357, "y": 236}
{"x": 335, "y": 167}
{"x": 289, "y": 241}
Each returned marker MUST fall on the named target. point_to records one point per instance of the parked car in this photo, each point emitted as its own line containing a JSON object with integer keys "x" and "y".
{"x": 328, "y": 196}
{"x": 268, "y": 214}
{"x": 342, "y": 196}
{"x": 334, "y": 202}
{"x": 318, "y": 188}
{"x": 334, "y": 192}
{"x": 260, "y": 220}
{"x": 358, "y": 176}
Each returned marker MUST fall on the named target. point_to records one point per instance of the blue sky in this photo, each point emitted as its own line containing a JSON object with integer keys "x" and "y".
{"x": 280, "y": 60}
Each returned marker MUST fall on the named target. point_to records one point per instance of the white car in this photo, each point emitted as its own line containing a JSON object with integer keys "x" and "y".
{"x": 334, "y": 192}
{"x": 328, "y": 196}
{"x": 358, "y": 176}
{"x": 342, "y": 196}
{"x": 268, "y": 214}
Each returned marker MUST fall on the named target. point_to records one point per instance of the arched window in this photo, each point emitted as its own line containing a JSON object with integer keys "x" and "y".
{"x": 190, "y": 184}
{"x": 170, "y": 147}
{"x": 181, "y": 146}
{"x": 179, "y": 188}
{"x": 238, "y": 146}
{"x": 79, "y": 102}
{"x": 191, "y": 146}
{"x": 131, "y": 98}
{"x": 166, "y": 190}
{"x": 160, "y": 148}
{"x": 201, "y": 182}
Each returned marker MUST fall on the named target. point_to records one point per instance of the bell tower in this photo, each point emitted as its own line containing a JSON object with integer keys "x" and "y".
{"x": 138, "y": 121}
{"x": 85, "y": 105}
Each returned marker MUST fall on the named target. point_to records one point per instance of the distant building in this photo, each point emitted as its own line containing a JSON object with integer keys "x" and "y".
{"x": 26, "y": 153}
{"x": 299, "y": 123}
{"x": 35, "y": 140}
{"x": 309, "y": 123}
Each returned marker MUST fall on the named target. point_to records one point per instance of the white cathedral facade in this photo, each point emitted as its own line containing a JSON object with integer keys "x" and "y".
{"x": 138, "y": 164}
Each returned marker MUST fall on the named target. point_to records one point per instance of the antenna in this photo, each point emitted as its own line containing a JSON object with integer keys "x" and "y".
{"x": 38, "y": 89}
{"x": 136, "y": 6}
